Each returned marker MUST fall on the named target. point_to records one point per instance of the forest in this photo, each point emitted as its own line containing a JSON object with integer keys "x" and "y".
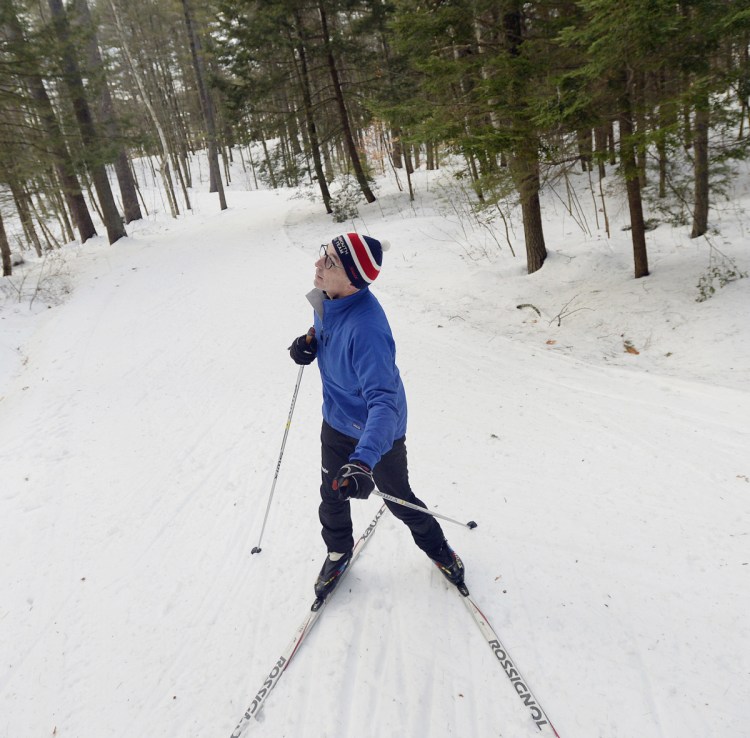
{"x": 98, "y": 96}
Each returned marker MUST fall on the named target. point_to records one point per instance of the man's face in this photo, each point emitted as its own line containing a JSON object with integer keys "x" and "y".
{"x": 330, "y": 275}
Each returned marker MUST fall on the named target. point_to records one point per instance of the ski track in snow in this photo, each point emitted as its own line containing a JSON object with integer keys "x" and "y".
{"x": 139, "y": 443}
{"x": 366, "y": 652}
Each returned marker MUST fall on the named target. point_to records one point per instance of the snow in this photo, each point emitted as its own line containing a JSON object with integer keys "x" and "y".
{"x": 145, "y": 391}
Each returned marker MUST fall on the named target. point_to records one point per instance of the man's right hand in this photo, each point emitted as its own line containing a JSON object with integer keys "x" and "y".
{"x": 304, "y": 349}
{"x": 354, "y": 480}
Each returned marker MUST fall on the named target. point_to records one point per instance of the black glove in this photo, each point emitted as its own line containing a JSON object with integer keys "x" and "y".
{"x": 304, "y": 349}
{"x": 354, "y": 480}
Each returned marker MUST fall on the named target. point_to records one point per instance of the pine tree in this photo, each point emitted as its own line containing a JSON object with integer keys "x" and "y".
{"x": 106, "y": 113}
{"x": 89, "y": 135}
{"x": 621, "y": 43}
{"x": 207, "y": 104}
{"x": 25, "y": 67}
{"x": 485, "y": 82}
{"x": 5, "y": 250}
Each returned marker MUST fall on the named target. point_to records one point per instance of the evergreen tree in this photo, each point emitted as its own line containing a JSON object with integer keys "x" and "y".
{"x": 89, "y": 135}
{"x": 207, "y": 104}
{"x": 621, "y": 43}
{"x": 24, "y": 70}
{"x": 486, "y": 81}
{"x": 5, "y": 254}
{"x": 106, "y": 113}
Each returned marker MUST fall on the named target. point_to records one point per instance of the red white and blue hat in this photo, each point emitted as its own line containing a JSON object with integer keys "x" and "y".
{"x": 361, "y": 257}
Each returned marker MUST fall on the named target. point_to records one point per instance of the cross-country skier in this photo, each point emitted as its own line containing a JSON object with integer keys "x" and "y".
{"x": 364, "y": 406}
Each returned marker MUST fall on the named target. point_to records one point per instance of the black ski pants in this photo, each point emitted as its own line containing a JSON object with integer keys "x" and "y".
{"x": 391, "y": 476}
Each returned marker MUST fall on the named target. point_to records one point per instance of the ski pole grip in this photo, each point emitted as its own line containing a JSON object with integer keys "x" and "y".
{"x": 310, "y": 335}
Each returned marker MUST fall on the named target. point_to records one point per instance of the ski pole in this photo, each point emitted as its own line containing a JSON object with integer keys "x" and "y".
{"x": 257, "y": 549}
{"x": 471, "y": 524}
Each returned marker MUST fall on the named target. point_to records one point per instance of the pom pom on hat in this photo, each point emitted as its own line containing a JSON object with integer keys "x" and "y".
{"x": 361, "y": 257}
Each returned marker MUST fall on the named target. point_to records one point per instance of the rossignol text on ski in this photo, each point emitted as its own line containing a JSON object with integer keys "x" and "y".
{"x": 517, "y": 681}
{"x": 520, "y": 685}
{"x": 301, "y": 633}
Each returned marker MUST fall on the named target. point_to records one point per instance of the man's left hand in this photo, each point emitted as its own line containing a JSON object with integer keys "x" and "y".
{"x": 354, "y": 480}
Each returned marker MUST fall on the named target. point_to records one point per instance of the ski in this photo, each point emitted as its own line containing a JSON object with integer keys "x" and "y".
{"x": 542, "y": 722}
{"x": 300, "y": 634}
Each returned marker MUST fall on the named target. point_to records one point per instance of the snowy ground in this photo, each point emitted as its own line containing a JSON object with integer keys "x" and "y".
{"x": 601, "y": 445}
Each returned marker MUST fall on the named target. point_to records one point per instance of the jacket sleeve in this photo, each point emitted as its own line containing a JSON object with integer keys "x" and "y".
{"x": 374, "y": 362}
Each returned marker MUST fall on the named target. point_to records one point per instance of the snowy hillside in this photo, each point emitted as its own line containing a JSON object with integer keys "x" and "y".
{"x": 600, "y": 439}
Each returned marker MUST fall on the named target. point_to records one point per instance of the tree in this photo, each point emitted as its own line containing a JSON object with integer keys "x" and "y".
{"x": 5, "y": 250}
{"x": 338, "y": 92}
{"x": 485, "y": 69}
{"x": 91, "y": 141}
{"x": 630, "y": 172}
{"x": 301, "y": 57}
{"x": 306, "y": 89}
{"x": 621, "y": 43}
{"x": 162, "y": 137}
{"x": 26, "y": 64}
{"x": 524, "y": 148}
{"x": 705, "y": 23}
{"x": 107, "y": 115}
{"x": 206, "y": 104}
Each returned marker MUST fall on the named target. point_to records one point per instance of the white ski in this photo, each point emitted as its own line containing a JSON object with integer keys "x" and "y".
{"x": 301, "y": 633}
{"x": 542, "y": 722}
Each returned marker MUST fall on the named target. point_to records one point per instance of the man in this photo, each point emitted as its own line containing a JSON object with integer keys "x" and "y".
{"x": 364, "y": 406}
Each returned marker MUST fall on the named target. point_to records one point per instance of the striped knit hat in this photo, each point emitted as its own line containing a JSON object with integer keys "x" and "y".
{"x": 361, "y": 257}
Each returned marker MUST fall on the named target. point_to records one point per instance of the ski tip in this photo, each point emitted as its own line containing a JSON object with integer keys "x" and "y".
{"x": 255, "y": 550}
{"x": 471, "y": 524}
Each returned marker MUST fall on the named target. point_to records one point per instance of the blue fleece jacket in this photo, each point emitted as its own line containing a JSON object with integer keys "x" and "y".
{"x": 363, "y": 396}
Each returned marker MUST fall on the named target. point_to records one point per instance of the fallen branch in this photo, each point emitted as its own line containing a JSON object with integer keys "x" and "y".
{"x": 564, "y": 314}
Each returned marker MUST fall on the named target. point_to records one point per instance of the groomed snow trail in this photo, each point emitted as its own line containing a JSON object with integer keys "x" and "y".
{"x": 139, "y": 442}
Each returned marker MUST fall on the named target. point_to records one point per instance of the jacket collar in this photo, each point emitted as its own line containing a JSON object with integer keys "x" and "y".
{"x": 322, "y": 303}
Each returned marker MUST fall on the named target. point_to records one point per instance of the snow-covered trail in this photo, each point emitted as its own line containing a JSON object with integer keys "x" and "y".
{"x": 139, "y": 443}
{"x": 137, "y": 402}
{"x": 614, "y": 523}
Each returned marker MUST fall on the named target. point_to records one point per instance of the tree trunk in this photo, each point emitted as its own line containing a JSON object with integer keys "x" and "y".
{"x": 164, "y": 159}
{"x": 107, "y": 116}
{"x": 636, "y": 107}
{"x": 183, "y": 186}
{"x": 630, "y": 170}
{"x": 5, "y": 250}
{"x": 408, "y": 161}
{"x": 431, "y": 156}
{"x": 661, "y": 149}
{"x": 397, "y": 148}
{"x": 667, "y": 122}
{"x": 343, "y": 115}
{"x": 24, "y": 212}
{"x": 526, "y": 174}
{"x": 584, "y": 148}
{"x": 612, "y": 144}
{"x": 61, "y": 212}
{"x": 207, "y": 106}
{"x": 700, "y": 142}
{"x": 600, "y": 144}
{"x": 269, "y": 163}
{"x": 524, "y": 160}
{"x": 409, "y": 171}
{"x": 64, "y": 166}
{"x": 312, "y": 131}
{"x": 72, "y": 78}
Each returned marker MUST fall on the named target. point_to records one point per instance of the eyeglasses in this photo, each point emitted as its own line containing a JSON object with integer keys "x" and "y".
{"x": 329, "y": 262}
